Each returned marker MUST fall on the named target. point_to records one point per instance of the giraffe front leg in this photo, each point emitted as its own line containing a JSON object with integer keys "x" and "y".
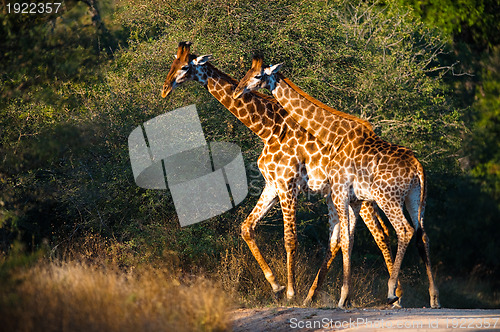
{"x": 346, "y": 241}
{"x": 267, "y": 200}
{"x": 333, "y": 245}
{"x": 288, "y": 201}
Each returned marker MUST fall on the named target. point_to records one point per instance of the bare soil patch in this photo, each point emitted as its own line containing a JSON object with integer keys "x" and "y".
{"x": 318, "y": 319}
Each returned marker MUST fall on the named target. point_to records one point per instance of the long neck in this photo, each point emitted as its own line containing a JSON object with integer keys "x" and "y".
{"x": 323, "y": 122}
{"x": 252, "y": 109}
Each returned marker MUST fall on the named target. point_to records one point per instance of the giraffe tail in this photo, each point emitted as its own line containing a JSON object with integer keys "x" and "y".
{"x": 423, "y": 194}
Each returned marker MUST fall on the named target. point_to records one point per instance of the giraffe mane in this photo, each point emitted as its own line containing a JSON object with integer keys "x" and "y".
{"x": 313, "y": 100}
{"x": 257, "y": 63}
{"x": 235, "y": 83}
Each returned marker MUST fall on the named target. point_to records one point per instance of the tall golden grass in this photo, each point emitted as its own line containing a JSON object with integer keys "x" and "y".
{"x": 74, "y": 296}
{"x": 100, "y": 286}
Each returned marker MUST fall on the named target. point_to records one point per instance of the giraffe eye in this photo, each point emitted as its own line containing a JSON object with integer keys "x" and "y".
{"x": 259, "y": 76}
{"x": 186, "y": 67}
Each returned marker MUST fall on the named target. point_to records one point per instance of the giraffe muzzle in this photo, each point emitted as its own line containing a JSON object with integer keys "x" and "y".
{"x": 166, "y": 91}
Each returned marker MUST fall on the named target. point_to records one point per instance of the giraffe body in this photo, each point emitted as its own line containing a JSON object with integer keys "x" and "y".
{"x": 291, "y": 159}
{"x": 361, "y": 167}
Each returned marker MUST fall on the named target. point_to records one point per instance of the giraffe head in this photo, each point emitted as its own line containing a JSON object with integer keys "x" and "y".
{"x": 257, "y": 77}
{"x": 184, "y": 68}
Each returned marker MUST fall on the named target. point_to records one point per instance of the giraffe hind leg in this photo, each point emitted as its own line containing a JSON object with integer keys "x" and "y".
{"x": 404, "y": 231}
{"x": 373, "y": 221}
{"x": 412, "y": 205}
{"x": 423, "y": 250}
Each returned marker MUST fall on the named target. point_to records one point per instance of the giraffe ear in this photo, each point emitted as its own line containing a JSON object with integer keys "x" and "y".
{"x": 201, "y": 60}
{"x": 272, "y": 69}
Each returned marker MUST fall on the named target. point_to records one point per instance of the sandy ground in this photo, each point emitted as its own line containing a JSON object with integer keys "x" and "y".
{"x": 315, "y": 319}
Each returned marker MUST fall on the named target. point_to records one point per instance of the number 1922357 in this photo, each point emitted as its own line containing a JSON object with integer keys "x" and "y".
{"x": 33, "y": 8}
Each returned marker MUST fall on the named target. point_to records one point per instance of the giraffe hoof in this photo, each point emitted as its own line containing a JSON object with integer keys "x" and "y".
{"x": 307, "y": 301}
{"x": 435, "y": 302}
{"x": 397, "y": 305}
{"x": 391, "y": 300}
{"x": 435, "y": 305}
{"x": 344, "y": 305}
{"x": 278, "y": 294}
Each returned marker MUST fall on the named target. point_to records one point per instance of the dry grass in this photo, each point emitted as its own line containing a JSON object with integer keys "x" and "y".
{"x": 241, "y": 277}
{"x": 72, "y": 296}
{"x": 103, "y": 286}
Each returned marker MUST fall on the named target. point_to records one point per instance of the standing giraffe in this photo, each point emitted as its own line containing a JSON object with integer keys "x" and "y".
{"x": 291, "y": 159}
{"x": 362, "y": 167}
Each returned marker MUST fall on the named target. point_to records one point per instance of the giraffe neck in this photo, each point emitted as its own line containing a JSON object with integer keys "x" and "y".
{"x": 251, "y": 108}
{"x": 323, "y": 122}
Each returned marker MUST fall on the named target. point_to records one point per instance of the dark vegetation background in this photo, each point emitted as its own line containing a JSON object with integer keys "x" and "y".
{"x": 425, "y": 73}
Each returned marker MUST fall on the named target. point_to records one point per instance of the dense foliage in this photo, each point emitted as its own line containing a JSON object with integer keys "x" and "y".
{"x": 72, "y": 91}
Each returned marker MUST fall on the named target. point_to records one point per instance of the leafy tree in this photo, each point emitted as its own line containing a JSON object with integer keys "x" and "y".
{"x": 42, "y": 55}
{"x": 474, "y": 21}
{"x": 486, "y": 153}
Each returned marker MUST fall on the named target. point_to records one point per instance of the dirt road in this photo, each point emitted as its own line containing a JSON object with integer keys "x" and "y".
{"x": 315, "y": 319}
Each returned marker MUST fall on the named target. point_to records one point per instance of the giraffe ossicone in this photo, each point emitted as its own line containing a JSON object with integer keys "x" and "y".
{"x": 362, "y": 168}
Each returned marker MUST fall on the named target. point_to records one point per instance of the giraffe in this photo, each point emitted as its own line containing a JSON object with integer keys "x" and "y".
{"x": 362, "y": 167}
{"x": 291, "y": 159}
